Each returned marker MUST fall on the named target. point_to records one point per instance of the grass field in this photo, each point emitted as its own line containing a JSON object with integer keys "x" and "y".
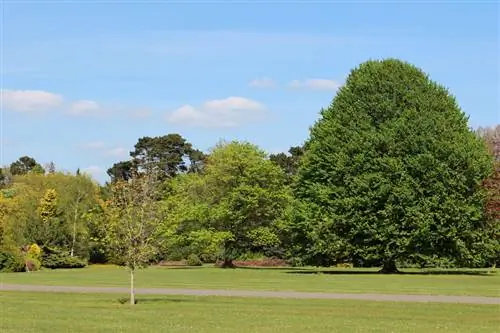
{"x": 83, "y": 313}
{"x": 341, "y": 281}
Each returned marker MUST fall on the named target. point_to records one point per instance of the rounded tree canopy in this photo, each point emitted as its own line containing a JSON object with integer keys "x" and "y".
{"x": 392, "y": 171}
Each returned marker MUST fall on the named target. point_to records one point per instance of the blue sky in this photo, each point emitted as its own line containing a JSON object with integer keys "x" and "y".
{"x": 82, "y": 82}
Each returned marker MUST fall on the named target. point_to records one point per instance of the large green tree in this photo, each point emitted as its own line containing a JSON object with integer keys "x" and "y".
{"x": 238, "y": 199}
{"x": 392, "y": 172}
{"x": 24, "y": 165}
{"x": 171, "y": 154}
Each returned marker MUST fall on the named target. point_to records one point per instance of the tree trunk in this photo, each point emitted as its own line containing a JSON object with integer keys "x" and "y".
{"x": 389, "y": 267}
{"x": 74, "y": 228}
{"x": 228, "y": 263}
{"x": 132, "y": 290}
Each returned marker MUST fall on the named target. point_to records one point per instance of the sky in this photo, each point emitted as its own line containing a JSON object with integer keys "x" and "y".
{"x": 81, "y": 81}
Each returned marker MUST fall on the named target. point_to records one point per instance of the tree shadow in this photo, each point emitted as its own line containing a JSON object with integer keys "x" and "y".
{"x": 291, "y": 269}
{"x": 165, "y": 300}
{"x": 371, "y": 272}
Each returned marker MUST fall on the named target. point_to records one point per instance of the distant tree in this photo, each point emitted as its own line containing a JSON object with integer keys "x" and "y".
{"x": 171, "y": 154}
{"x": 50, "y": 168}
{"x": 288, "y": 162}
{"x": 239, "y": 199}
{"x": 24, "y": 165}
{"x": 133, "y": 220}
{"x": 491, "y": 136}
{"x": 121, "y": 171}
{"x": 3, "y": 178}
{"x": 392, "y": 172}
{"x": 48, "y": 231}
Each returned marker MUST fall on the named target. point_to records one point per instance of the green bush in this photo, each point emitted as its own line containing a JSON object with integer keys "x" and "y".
{"x": 32, "y": 264}
{"x": 193, "y": 260}
{"x": 55, "y": 258}
{"x": 11, "y": 261}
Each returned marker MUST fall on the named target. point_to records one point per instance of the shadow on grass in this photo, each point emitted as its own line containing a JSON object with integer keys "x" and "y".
{"x": 367, "y": 272}
{"x": 154, "y": 300}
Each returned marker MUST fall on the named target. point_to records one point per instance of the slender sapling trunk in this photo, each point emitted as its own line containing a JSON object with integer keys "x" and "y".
{"x": 132, "y": 290}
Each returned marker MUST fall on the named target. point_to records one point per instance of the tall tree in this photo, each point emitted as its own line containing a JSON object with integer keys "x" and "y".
{"x": 120, "y": 171}
{"x": 48, "y": 232}
{"x": 171, "y": 154}
{"x": 133, "y": 221}
{"x": 491, "y": 136}
{"x": 392, "y": 171}
{"x": 239, "y": 198}
{"x": 24, "y": 165}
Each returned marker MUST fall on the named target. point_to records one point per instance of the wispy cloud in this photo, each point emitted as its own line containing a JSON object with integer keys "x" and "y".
{"x": 316, "y": 84}
{"x": 30, "y": 100}
{"x": 262, "y": 83}
{"x": 119, "y": 152}
{"x": 104, "y": 149}
{"x": 229, "y": 112}
{"x": 84, "y": 107}
{"x": 93, "y": 170}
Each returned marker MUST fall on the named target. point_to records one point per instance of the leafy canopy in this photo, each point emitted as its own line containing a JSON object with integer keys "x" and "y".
{"x": 392, "y": 171}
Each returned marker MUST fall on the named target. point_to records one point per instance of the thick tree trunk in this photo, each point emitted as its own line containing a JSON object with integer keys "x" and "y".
{"x": 389, "y": 267}
{"x": 132, "y": 290}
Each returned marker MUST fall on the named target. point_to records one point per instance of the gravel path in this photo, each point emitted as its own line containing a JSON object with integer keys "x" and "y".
{"x": 265, "y": 294}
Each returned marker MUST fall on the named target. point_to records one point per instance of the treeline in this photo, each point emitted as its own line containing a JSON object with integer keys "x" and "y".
{"x": 390, "y": 176}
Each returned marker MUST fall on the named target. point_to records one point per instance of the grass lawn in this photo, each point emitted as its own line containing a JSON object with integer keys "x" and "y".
{"x": 62, "y": 313}
{"x": 341, "y": 281}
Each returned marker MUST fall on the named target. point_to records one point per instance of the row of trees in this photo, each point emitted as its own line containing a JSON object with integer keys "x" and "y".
{"x": 391, "y": 175}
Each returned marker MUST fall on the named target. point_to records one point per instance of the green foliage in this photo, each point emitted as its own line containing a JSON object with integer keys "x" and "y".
{"x": 133, "y": 217}
{"x": 11, "y": 260}
{"x": 289, "y": 163}
{"x": 238, "y": 192}
{"x": 55, "y": 258}
{"x": 167, "y": 154}
{"x": 193, "y": 260}
{"x": 25, "y": 165}
{"x": 391, "y": 171}
{"x": 32, "y": 264}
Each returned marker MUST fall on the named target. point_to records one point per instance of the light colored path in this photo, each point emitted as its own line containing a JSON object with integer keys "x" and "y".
{"x": 265, "y": 294}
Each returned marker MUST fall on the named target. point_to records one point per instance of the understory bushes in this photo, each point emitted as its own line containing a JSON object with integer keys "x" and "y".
{"x": 11, "y": 260}
{"x": 54, "y": 258}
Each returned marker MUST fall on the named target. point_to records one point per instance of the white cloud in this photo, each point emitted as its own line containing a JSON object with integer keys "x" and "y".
{"x": 262, "y": 83}
{"x": 30, "y": 100}
{"x": 229, "y": 112}
{"x": 233, "y": 103}
{"x": 84, "y": 107}
{"x": 316, "y": 84}
{"x": 118, "y": 152}
{"x": 94, "y": 145}
{"x": 93, "y": 170}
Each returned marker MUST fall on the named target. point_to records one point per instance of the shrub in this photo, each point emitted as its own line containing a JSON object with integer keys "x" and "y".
{"x": 55, "y": 258}
{"x": 32, "y": 264}
{"x": 11, "y": 261}
{"x": 194, "y": 260}
{"x": 34, "y": 251}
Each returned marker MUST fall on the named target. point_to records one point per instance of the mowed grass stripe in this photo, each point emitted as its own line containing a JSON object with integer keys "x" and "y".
{"x": 340, "y": 281}
{"x": 61, "y": 313}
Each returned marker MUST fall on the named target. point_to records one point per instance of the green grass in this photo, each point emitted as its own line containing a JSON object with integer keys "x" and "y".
{"x": 343, "y": 281}
{"x": 62, "y": 313}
